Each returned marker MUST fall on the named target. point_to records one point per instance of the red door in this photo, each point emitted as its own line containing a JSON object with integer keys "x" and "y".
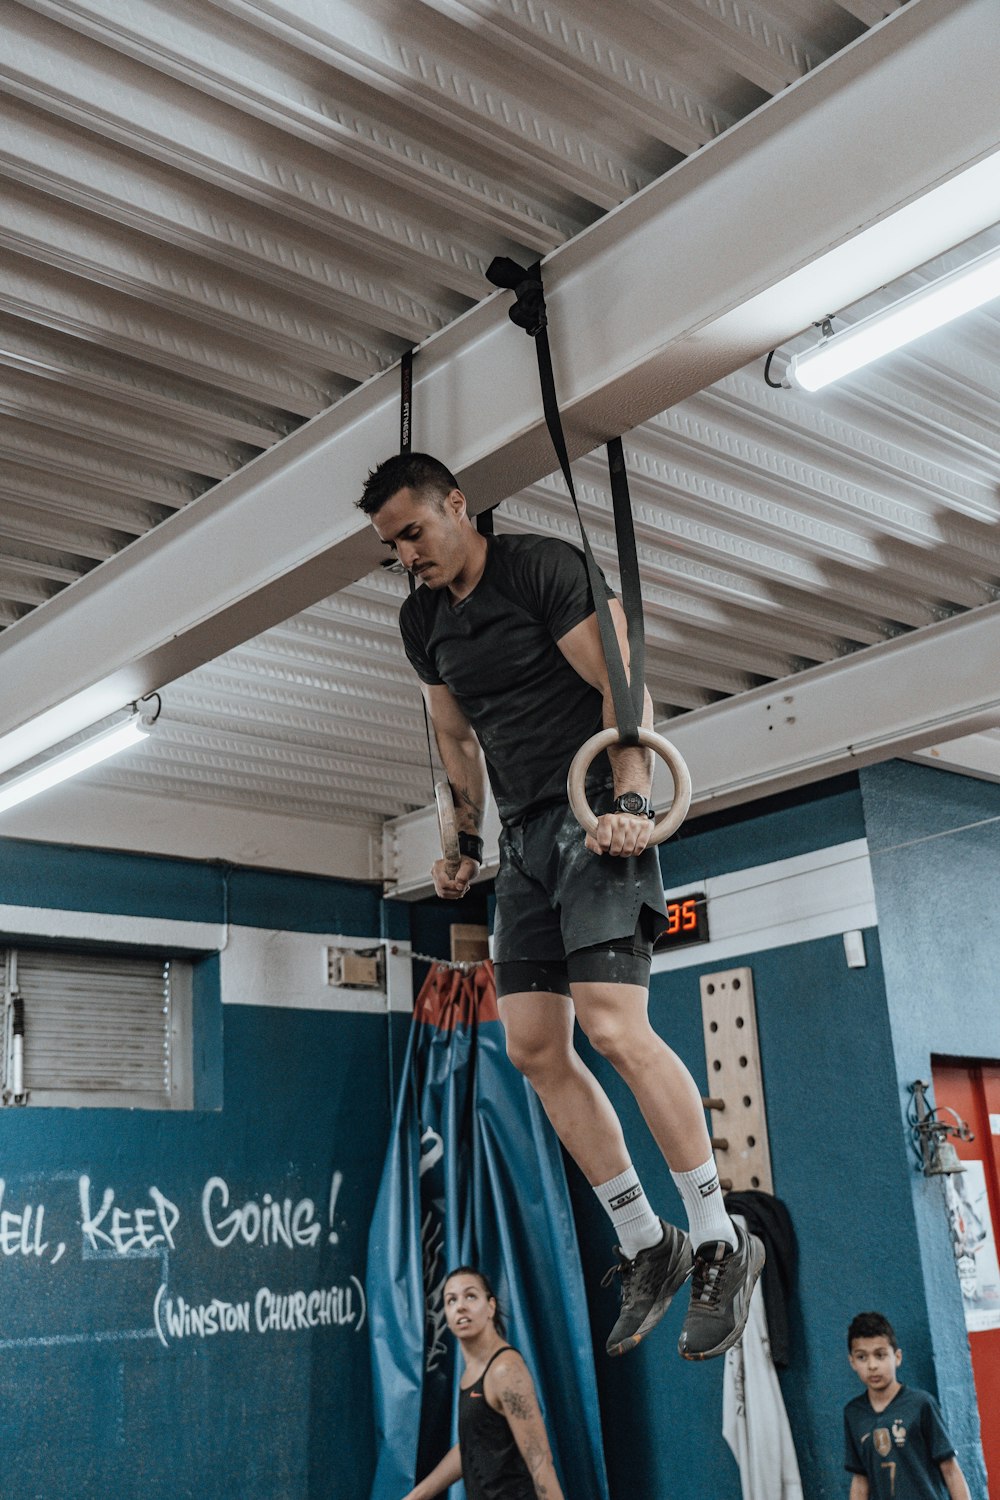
{"x": 973, "y": 1091}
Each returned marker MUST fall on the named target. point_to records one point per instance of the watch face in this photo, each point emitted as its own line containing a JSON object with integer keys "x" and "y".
{"x": 631, "y": 802}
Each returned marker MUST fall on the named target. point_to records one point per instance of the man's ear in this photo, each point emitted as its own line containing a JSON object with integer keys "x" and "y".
{"x": 455, "y": 502}
{"x": 899, "y": 1358}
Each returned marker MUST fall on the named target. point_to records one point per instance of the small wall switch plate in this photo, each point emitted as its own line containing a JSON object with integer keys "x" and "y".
{"x": 347, "y": 969}
{"x": 854, "y": 948}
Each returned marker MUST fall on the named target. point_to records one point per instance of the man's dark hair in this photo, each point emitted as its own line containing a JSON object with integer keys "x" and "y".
{"x": 871, "y": 1326}
{"x": 405, "y": 471}
{"x": 491, "y": 1296}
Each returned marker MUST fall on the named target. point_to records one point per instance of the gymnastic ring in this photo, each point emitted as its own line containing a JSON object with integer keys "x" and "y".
{"x": 447, "y": 825}
{"x": 576, "y": 782}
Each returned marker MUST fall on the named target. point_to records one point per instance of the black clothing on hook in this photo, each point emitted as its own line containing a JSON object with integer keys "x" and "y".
{"x": 769, "y": 1219}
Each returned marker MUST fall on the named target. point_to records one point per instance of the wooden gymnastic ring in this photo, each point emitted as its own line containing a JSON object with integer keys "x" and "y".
{"x": 576, "y": 782}
{"x": 447, "y": 824}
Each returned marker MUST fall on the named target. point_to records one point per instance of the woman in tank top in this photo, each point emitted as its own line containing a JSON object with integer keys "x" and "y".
{"x": 502, "y": 1451}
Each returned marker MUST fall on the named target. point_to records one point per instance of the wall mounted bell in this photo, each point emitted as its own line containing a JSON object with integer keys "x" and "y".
{"x": 943, "y": 1159}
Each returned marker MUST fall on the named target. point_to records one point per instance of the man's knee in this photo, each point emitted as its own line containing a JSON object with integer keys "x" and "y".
{"x": 537, "y": 1056}
{"x": 624, "y": 1040}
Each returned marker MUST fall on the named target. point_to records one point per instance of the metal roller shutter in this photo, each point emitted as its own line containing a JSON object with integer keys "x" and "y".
{"x": 96, "y": 1023}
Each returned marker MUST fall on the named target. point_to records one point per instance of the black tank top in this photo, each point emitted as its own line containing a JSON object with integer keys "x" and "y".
{"x": 492, "y": 1466}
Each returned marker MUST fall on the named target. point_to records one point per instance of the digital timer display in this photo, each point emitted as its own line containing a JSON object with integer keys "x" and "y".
{"x": 687, "y": 922}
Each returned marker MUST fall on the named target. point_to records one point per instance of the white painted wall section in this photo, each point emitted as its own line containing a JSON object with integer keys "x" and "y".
{"x": 258, "y": 965}
{"x": 288, "y": 970}
{"x": 107, "y": 927}
{"x": 814, "y": 895}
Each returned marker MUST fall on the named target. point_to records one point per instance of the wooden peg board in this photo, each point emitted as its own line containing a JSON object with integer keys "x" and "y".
{"x": 729, "y": 1017}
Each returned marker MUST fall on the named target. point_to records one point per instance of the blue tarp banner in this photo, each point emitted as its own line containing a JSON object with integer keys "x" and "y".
{"x": 473, "y": 1175}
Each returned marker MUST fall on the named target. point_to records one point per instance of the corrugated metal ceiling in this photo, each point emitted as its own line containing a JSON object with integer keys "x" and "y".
{"x": 221, "y": 217}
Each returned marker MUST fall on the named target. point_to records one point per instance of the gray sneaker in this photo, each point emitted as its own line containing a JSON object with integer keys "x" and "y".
{"x": 722, "y": 1284}
{"x": 647, "y": 1285}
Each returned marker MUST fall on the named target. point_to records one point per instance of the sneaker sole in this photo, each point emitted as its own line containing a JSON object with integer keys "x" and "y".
{"x": 741, "y": 1323}
{"x": 650, "y": 1321}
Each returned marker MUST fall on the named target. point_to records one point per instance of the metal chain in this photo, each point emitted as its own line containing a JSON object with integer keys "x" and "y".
{"x": 465, "y": 966}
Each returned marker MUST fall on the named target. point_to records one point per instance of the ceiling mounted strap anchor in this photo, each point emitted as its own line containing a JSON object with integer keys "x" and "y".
{"x": 528, "y": 307}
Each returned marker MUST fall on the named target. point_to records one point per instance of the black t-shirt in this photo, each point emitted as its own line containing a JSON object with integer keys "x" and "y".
{"x": 496, "y": 651}
{"x": 900, "y": 1449}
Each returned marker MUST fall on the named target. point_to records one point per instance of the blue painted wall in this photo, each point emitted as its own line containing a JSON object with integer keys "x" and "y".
{"x": 92, "y": 1402}
{"x": 840, "y": 1163}
{"x": 288, "y": 1414}
{"x": 935, "y": 846}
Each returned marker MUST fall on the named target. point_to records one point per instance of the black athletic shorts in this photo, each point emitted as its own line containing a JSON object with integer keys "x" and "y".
{"x": 564, "y": 914}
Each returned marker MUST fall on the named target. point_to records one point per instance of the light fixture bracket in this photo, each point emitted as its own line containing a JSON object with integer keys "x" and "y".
{"x": 932, "y": 306}
{"x": 88, "y": 752}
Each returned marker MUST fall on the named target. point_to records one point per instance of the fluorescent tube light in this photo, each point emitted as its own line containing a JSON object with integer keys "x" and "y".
{"x": 959, "y": 292}
{"x": 71, "y": 762}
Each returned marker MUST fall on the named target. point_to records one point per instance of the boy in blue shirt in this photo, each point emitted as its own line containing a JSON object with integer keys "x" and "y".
{"x": 896, "y": 1446}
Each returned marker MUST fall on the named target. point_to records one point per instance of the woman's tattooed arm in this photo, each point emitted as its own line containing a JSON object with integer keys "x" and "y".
{"x": 510, "y": 1390}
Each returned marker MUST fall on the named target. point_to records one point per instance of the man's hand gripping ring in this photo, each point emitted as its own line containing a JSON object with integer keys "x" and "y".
{"x": 576, "y": 782}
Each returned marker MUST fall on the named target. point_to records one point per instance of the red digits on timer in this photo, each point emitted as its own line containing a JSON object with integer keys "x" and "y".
{"x": 682, "y": 916}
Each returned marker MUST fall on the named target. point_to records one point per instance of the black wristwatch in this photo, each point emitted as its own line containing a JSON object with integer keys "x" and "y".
{"x": 635, "y": 804}
{"x": 470, "y": 846}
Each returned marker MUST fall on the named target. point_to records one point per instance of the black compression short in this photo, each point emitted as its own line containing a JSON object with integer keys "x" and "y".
{"x": 624, "y": 960}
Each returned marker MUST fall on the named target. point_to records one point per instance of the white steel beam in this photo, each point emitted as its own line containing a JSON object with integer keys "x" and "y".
{"x": 975, "y": 755}
{"x": 683, "y": 284}
{"x": 102, "y": 817}
{"x": 921, "y": 690}
{"x": 936, "y": 684}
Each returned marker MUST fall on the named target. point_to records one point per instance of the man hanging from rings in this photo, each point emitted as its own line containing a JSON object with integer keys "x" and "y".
{"x": 503, "y": 636}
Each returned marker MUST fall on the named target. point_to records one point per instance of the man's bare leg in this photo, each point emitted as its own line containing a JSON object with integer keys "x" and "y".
{"x": 615, "y": 1020}
{"x": 539, "y": 1030}
{"x": 655, "y": 1257}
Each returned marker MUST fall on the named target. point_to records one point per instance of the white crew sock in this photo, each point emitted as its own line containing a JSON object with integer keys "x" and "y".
{"x": 627, "y": 1206}
{"x": 702, "y": 1195}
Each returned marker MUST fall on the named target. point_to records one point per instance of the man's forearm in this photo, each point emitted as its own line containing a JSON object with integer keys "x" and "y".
{"x": 631, "y": 765}
{"x": 466, "y": 771}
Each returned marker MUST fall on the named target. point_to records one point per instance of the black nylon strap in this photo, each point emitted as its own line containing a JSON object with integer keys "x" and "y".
{"x": 627, "y": 689}
{"x": 628, "y": 567}
{"x": 405, "y": 440}
{"x": 406, "y": 401}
